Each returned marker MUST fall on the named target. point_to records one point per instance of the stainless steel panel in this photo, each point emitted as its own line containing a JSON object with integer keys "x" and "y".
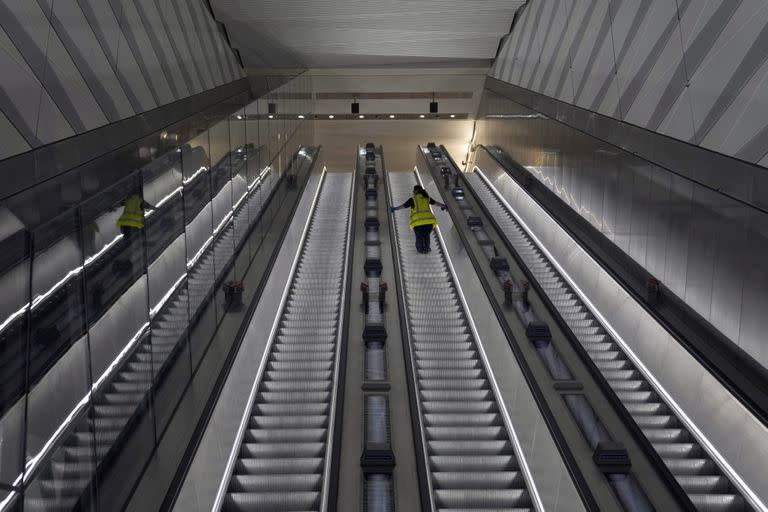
{"x": 677, "y": 373}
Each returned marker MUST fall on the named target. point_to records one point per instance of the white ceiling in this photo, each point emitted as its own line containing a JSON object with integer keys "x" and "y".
{"x": 327, "y": 33}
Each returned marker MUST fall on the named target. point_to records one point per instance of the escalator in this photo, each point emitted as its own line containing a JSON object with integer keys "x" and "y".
{"x": 701, "y": 478}
{"x": 472, "y": 458}
{"x": 121, "y": 393}
{"x": 282, "y": 460}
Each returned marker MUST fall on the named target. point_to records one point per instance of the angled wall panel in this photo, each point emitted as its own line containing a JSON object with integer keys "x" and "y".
{"x": 70, "y": 66}
{"x": 694, "y": 70}
{"x": 13, "y": 142}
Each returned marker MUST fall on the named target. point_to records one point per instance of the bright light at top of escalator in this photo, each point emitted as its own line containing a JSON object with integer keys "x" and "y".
{"x": 453, "y": 115}
{"x": 421, "y": 116}
{"x": 271, "y": 116}
{"x": 361, "y": 116}
{"x": 301, "y": 116}
{"x": 330, "y": 116}
{"x": 391, "y": 116}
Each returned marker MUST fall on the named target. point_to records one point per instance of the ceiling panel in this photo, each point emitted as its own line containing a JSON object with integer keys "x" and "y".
{"x": 326, "y": 33}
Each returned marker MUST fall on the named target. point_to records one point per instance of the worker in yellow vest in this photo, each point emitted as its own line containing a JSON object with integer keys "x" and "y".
{"x": 422, "y": 219}
{"x": 132, "y": 219}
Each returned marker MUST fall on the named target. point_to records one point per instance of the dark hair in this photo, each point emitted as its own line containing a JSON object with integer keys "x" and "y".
{"x": 418, "y": 189}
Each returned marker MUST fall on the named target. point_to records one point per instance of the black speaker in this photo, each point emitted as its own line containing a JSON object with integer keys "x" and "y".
{"x": 433, "y": 107}
{"x": 355, "y": 108}
{"x": 272, "y": 108}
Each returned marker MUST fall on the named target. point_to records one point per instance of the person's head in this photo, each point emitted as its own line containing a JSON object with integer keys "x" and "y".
{"x": 418, "y": 189}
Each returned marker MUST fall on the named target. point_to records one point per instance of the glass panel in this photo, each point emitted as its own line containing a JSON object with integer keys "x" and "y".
{"x": 113, "y": 255}
{"x": 14, "y": 313}
{"x": 64, "y": 481}
{"x": 58, "y": 308}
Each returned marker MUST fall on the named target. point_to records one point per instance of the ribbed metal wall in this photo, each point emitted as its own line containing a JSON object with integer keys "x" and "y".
{"x": 694, "y": 70}
{"x": 69, "y": 66}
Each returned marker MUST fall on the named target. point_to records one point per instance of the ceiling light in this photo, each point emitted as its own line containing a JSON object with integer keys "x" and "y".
{"x": 271, "y": 116}
{"x": 453, "y": 115}
{"x": 391, "y": 116}
{"x": 301, "y": 116}
{"x": 422, "y": 116}
{"x": 239, "y": 116}
{"x": 330, "y": 116}
{"x": 361, "y": 116}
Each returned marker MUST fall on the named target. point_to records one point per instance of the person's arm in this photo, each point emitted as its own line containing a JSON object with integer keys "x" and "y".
{"x": 438, "y": 203}
{"x": 407, "y": 204}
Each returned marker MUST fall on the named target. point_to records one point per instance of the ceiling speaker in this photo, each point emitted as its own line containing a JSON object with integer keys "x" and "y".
{"x": 355, "y": 108}
{"x": 433, "y": 107}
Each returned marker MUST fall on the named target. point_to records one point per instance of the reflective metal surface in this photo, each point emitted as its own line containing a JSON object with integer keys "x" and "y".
{"x": 105, "y": 326}
{"x": 707, "y": 247}
{"x": 696, "y": 472}
{"x": 733, "y": 436}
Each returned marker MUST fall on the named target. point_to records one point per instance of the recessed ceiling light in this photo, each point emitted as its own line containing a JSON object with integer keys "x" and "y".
{"x": 330, "y": 116}
{"x": 361, "y": 116}
{"x": 271, "y": 116}
{"x": 453, "y": 115}
{"x": 301, "y": 116}
{"x": 391, "y": 116}
{"x": 422, "y": 116}
{"x": 239, "y": 116}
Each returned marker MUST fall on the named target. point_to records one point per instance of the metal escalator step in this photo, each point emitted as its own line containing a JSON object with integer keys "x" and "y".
{"x": 272, "y": 501}
{"x": 465, "y": 447}
{"x": 291, "y": 409}
{"x": 459, "y": 407}
{"x": 464, "y": 395}
{"x": 302, "y": 422}
{"x": 478, "y": 480}
{"x": 482, "y": 498}
{"x": 455, "y": 384}
{"x": 296, "y": 385}
{"x": 467, "y": 463}
{"x": 299, "y": 375}
{"x": 666, "y": 435}
{"x": 678, "y": 450}
{"x": 704, "y": 484}
{"x": 629, "y": 385}
{"x": 448, "y": 363}
{"x": 281, "y": 450}
{"x": 691, "y": 467}
{"x": 462, "y": 420}
{"x": 658, "y": 421}
{"x": 298, "y": 435}
{"x": 718, "y": 502}
{"x": 446, "y": 354}
{"x": 271, "y": 483}
{"x": 319, "y": 355}
{"x": 646, "y": 408}
{"x": 289, "y": 366}
{"x": 496, "y": 432}
{"x": 293, "y": 397}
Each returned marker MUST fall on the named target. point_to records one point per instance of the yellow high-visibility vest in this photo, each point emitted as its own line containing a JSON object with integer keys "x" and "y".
{"x": 133, "y": 213}
{"x": 421, "y": 215}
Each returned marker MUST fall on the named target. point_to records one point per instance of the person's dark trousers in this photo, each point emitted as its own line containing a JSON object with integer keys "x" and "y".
{"x": 422, "y": 238}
